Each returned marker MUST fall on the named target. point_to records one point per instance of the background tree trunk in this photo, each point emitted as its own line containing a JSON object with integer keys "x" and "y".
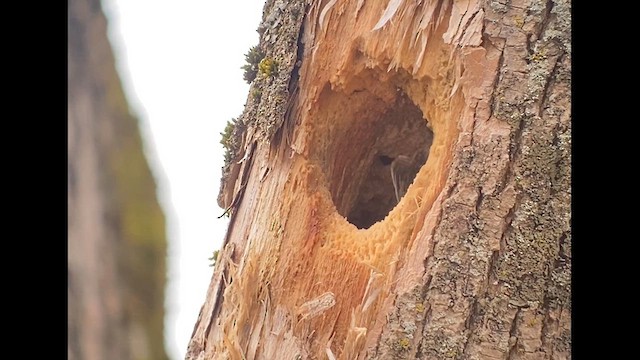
{"x": 474, "y": 262}
{"x": 116, "y": 228}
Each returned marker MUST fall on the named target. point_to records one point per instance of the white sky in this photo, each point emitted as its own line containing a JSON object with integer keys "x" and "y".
{"x": 180, "y": 66}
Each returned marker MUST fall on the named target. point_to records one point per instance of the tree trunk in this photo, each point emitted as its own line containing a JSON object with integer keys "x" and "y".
{"x": 474, "y": 262}
{"x": 116, "y": 227}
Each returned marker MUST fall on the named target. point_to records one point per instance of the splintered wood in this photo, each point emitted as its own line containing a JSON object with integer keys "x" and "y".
{"x": 316, "y": 306}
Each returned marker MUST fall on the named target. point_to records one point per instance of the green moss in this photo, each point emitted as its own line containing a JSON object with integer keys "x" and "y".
{"x": 267, "y": 67}
{"x": 256, "y": 94}
{"x": 227, "y": 139}
{"x": 141, "y": 226}
{"x": 403, "y": 344}
{"x": 214, "y": 258}
{"x": 253, "y": 58}
{"x": 138, "y": 220}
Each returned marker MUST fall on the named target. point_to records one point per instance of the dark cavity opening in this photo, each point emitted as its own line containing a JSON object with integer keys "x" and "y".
{"x": 370, "y": 135}
{"x": 400, "y": 151}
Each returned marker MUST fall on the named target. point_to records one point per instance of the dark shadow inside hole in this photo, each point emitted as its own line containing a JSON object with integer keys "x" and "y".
{"x": 385, "y": 160}
{"x": 401, "y": 148}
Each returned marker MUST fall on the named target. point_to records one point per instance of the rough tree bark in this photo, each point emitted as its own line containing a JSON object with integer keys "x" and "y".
{"x": 474, "y": 262}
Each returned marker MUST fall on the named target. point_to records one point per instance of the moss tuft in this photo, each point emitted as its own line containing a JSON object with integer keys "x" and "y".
{"x": 227, "y": 139}
{"x": 214, "y": 258}
{"x": 267, "y": 67}
{"x": 403, "y": 344}
{"x": 253, "y": 58}
{"x": 256, "y": 94}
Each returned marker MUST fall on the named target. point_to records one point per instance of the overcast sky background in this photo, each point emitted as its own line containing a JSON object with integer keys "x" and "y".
{"x": 179, "y": 62}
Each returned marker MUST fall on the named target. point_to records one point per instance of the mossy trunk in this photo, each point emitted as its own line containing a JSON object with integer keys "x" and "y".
{"x": 474, "y": 261}
{"x": 116, "y": 228}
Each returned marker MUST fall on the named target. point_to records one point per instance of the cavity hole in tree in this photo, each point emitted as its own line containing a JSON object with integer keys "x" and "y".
{"x": 370, "y": 135}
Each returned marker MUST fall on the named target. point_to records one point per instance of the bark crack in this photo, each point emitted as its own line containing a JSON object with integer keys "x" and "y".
{"x": 478, "y": 200}
{"x": 492, "y": 267}
{"x": 561, "y": 242}
{"x": 544, "y": 97}
{"x": 545, "y": 323}
{"x": 471, "y": 322}
{"x": 427, "y": 317}
{"x": 496, "y": 79}
{"x": 546, "y": 18}
{"x": 513, "y": 339}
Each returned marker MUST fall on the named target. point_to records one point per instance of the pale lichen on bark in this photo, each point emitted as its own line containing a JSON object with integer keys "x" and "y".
{"x": 270, "y": 93}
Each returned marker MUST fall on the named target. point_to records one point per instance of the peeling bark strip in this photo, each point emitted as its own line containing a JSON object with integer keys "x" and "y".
{"x": 474, "y": 261}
